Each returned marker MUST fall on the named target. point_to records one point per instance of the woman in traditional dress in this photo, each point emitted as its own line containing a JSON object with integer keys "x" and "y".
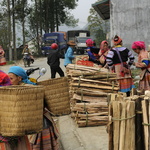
{"x": 48, "y": 138}
{"x": 117, "y": 60}
{"x": 12, "y": 143}
{"x": 93, "y": 56}
{"x": 103, "y": 53}
{"x": 143, "y": 63}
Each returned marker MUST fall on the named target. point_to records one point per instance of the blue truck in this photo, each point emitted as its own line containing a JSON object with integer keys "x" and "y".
{"x": 54, "y": 37}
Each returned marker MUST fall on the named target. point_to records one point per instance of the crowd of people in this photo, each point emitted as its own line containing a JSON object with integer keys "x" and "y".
{"x": 117, "y": 59}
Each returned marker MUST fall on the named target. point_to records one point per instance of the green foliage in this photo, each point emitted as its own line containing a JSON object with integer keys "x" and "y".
{"x": 51, "y": 14}
{"x": 10, "y": 62}
{"x": 97, "y": 26}
{"x": 135, "y": 72}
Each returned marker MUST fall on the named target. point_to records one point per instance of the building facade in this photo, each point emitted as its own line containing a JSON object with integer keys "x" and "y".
{"x": 129, "y": 19}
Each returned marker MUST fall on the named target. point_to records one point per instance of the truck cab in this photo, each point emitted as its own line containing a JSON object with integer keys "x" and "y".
{"x": 80, "y": 44}
{"x": 79, "y": 37}
{"x": 54, "y": 37}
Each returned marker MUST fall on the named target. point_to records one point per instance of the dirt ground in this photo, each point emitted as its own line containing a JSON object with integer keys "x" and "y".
{"x": 86, "y": 138}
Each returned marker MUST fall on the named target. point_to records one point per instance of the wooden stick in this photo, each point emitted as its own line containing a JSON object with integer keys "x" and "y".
{"x": 145, "y": 120}
{"x": 95, "y": 86}
{"x": 91, "y": 92}
{"x": 89, "y": 98}
{"x": 116, "y": 124}
{"x": 110, "y": 128}
{"x": 93, "y": 81}
{"x": 122, "y": 126}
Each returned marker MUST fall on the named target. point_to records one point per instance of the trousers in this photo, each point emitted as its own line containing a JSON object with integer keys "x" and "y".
{"x": 55, "y": 70}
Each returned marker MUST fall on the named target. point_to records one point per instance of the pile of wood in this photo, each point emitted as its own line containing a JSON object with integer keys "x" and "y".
{"x": 122, "y": 123}
{"x": 89, "y": 88}
{"x": 129, "y": 122}
{"x": 146, "y": 119}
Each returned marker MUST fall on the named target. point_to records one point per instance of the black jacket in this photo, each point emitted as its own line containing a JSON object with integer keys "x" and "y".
{"x": 53, "y": 58}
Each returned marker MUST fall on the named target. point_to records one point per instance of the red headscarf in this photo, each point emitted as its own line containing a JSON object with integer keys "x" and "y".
{"x": 4, "y": 79}
{"x": 117, "y": 40}
{"x": 138, "y": 44}
{"x": 89, "y": 42}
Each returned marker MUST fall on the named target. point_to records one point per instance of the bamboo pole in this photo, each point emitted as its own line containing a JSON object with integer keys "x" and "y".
{"x": 139, "y": 138}
{"x": 80, "y": 67}
{"x": 110, "y": 129}
{"x": 145, "y": 120}
{"x": 95, "y": 86}
{"x": 93, "y": 81}
{"x": 116, "y": 124}
{"x": 130, "y": 126}
{"x": 122, "y": 126}
{"x": 89, "y": 98}
{"x": 90, "y": 92}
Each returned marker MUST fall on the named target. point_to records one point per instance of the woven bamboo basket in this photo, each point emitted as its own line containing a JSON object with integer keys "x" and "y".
{"x": 21, "y": 110}
{"x": 57, "y": 95}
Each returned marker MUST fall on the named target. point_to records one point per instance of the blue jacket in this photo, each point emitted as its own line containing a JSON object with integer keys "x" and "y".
{"x": 68, "y": 56}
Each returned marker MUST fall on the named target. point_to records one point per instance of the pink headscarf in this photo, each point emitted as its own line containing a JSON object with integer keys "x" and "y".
{"x": 138, "y": 44}
{"x": 89, "y": 42}
{"x": 102, "y": 45}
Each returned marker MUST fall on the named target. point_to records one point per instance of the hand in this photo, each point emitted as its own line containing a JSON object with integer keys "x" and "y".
{"x": 133, "y": 64}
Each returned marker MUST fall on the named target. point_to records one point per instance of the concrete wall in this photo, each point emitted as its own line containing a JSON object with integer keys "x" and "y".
{"x": 130, "y": 19}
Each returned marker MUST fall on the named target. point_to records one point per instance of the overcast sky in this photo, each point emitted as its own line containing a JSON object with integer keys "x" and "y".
{"x": 82, "y": 12}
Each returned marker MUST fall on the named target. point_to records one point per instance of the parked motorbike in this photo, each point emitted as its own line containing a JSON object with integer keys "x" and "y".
{"x": 26, "y": 59}
{"x": 30, "y": 71}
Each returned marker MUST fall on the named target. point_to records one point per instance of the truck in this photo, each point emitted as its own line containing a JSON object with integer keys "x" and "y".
{"x": 79, "y": 37}
{"x": 54, "y": 37}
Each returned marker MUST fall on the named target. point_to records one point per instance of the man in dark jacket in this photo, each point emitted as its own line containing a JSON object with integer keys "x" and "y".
{"x": 54, "y": 62}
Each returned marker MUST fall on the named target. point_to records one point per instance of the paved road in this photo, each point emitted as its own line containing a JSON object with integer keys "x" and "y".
{"x": 39, "y": 62}
{"x": 72, "y": 137}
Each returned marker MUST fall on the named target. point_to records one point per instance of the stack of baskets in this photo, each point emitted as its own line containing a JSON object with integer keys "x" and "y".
{"x": 57, "y": 95}
{"x": 21, "y": 110}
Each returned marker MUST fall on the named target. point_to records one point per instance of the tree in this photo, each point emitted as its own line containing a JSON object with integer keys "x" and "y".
{"x": 14, "y": 29}
{"x": 9, "y": 30}
{"x": 98, "y": 27}
{"x": 22, "y": 11}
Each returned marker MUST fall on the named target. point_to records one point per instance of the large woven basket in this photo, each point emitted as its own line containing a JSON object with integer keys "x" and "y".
{"x": 57, "y": 95}
{"x": 21, "y": 110}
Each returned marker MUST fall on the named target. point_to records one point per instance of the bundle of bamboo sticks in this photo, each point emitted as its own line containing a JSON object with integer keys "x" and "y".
{"x": 89, "y": 88}
{"x": 122, "y": 123}
{"x": 146, "y": 119}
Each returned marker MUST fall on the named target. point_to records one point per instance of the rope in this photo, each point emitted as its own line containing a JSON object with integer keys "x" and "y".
{"x": 74, "y": 67}
{"x": 107, "y": 76}
{"x": 86, "y": 118}
{"x": 146, "y": 124}
{"x": 84, "y": 107}
{"x": 81, "y": 95}
{"x": 79, "y": 81}
{"x": 139, "y": 112}
{"x": 113, "y": 85}
{"x": 116, "y": 119}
